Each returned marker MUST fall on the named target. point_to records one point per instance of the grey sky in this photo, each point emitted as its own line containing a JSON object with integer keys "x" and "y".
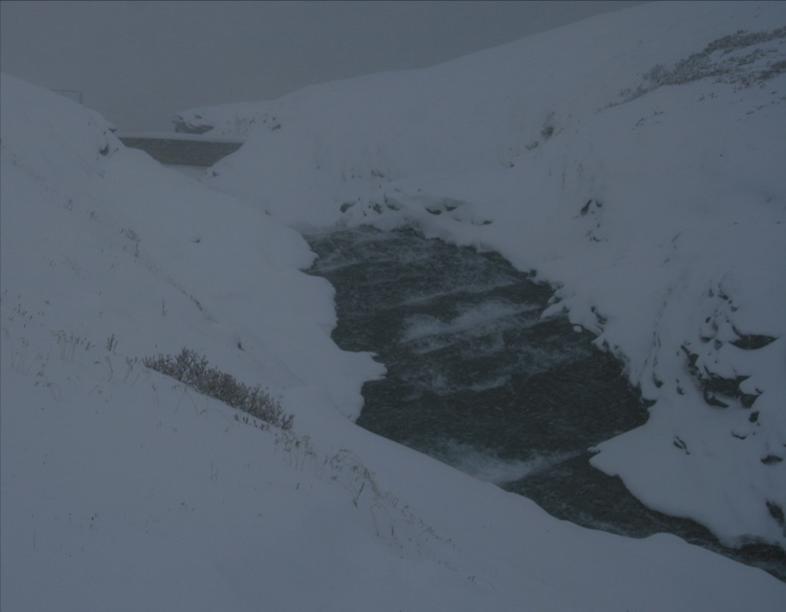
{"x": 139, "y": 62}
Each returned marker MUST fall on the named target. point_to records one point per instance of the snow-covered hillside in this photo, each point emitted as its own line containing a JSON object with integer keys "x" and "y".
{"x": 123, "y": 489}
{"x": 636, "y": 160}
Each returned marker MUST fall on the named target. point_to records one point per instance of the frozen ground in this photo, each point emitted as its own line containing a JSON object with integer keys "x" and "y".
{"x": 123, "y": 489}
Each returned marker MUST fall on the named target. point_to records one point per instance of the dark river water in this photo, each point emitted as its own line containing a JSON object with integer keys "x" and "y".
{"x": 477, "y": 379}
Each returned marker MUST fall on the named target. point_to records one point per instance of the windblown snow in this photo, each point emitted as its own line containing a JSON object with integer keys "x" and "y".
{"x": 654, "y": 199}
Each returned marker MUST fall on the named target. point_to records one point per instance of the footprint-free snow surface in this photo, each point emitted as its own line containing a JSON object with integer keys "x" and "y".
{"x": 477, "y": 378}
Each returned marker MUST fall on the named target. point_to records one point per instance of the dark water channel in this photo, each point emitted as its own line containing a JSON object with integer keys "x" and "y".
{"x": 477, "y": 379}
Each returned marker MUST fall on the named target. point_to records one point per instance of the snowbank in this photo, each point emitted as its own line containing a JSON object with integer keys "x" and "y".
{"x": 636, "y": 161}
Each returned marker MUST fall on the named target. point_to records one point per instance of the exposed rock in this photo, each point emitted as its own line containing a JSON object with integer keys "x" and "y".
{"x": 184, "y": 126}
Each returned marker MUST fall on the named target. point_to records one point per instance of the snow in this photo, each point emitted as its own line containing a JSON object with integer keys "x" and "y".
{"x": 493, "y": 468}
{"x": 635, "y": 161}
{"x": 123, "y": 489}
{"x": 177, "y": 136}
{"x": 195, "y": 172}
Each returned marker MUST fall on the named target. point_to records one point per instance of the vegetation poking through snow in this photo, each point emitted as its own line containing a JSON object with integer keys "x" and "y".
{"x": 193, "y": 370}
{"x": 723, "y": 60}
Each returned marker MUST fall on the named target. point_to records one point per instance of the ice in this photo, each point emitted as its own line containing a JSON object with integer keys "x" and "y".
{"x": 489, "y": 466}
{"x": 477, "y": 320}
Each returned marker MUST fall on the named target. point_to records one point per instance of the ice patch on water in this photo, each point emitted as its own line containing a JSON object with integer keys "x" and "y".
{"x": 521, "y": 360}
{"x": 327, "y": 265}
{"x": 490, "y": 467}
{"x": 434, "y": 380}
{"x": 492, "y": 383}
{"x": 484, "y": 345}
{"x": 531, "y": 359}
{"x": 476, "y": 320}
{"x": 501, "y": 281}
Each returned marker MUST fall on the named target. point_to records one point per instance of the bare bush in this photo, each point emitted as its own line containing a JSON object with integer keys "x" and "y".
{"x": 193, "y": 370}
{"x": 743, "y": 59}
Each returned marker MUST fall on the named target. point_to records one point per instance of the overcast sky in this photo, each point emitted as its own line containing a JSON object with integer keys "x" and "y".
{"x": 139, "y": 62}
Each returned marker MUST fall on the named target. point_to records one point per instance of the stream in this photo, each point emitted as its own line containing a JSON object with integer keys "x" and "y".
{"x": 477, "y": 379}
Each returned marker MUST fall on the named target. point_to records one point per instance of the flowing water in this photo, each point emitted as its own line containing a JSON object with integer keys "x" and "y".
{"x": 477, "y": 379}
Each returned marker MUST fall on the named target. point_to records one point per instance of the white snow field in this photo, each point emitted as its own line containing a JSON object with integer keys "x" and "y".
{"x": 122, "y": 489}
{"x": 637, "y": 161}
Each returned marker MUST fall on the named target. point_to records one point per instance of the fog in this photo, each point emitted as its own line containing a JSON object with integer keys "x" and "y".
{"x": 137, "y": 62}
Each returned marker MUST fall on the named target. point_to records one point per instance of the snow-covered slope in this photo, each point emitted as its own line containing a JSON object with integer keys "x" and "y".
{"x": 636, "y": 160}
{"x": 122, "y": 489}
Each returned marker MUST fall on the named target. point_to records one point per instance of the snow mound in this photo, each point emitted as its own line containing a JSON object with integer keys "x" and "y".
{"x": 635, "y": 160}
